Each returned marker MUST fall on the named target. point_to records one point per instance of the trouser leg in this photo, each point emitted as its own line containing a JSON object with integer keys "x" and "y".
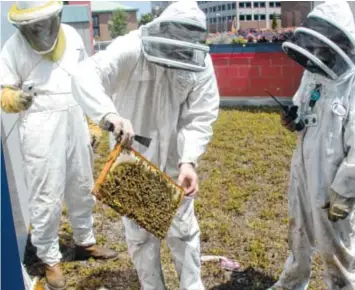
{"x": 144, "y": 250}
{"x": 184, "y": 242}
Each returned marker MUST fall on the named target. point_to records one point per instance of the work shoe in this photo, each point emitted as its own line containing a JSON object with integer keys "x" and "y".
{"x": 54, "y": 277}
{"x": 94, "y": 251}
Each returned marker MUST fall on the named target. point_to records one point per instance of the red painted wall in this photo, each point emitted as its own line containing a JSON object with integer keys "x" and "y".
{"x": 90, "y": 18}
{"x": 249, "y": 74}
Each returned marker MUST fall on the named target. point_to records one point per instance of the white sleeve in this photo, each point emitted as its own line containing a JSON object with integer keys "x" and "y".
{"x": 197, "y": 115}
{"x": 344, "y": 182}
{"x": 95, "y": 78}
{"x": 9, "y": 76}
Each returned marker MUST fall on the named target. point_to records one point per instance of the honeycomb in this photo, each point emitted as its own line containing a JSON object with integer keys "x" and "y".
{"x": 138, "y": 190}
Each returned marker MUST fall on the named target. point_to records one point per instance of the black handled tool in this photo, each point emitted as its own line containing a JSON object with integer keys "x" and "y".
{"x": 290, "y": 112}
{"x": 145, "y": 141}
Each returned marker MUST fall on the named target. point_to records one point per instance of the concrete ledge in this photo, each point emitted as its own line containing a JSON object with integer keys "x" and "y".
{"x": 230, "y": 102}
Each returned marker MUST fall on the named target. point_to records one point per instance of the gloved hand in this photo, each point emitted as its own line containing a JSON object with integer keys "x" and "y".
{"x": 121, "y": 128}
{"x": 188, "y": 179}
{"x": 287, "y": 122}
{"x": 95, "y": 135}
{"x": 15, "y": 101}
{"x": 338, "y": 207}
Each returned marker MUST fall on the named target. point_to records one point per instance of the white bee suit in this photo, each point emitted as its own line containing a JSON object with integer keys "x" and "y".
{"x": 175, "y": 108}
{"x": 324, "y": 159}
{"x": 55, "y": 142}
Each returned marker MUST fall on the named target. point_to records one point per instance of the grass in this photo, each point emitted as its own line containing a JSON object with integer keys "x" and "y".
{"x": 242, "y": 211}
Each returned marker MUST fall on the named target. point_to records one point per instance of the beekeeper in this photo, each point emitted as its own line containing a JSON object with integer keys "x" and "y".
{"x": 55, "y": 142}
{"x": 159, "y": 82}
{"x": 322, "y": 184}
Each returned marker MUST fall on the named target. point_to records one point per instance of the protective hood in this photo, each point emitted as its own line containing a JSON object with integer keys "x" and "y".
{"x": 38, "y": 22}
{"x": 176, "y": 39}
{"x": 325, "y": 44}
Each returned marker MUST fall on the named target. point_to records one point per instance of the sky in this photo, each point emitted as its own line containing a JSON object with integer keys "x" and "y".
{"x": 143, "y": 6}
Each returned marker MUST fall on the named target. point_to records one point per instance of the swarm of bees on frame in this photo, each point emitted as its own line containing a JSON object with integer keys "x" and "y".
{"x": 142, "y": 193}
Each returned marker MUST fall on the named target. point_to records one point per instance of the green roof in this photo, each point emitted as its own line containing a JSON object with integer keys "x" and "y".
{"x": 75, "y": 13}
{"x": 109, "y": 6}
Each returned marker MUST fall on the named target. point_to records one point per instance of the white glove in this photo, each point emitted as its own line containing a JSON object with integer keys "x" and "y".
{"x": 188, "y": 179}
{"x": 121, "y": 128}
{"x": 25, "y": 100}
{"x": 338, "y": 207}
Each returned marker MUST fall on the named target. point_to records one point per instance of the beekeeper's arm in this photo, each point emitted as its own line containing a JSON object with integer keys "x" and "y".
{"x": 13, "y": 99}
{"x": 198, "y": 113}
{"x": 344, "y": 182}
{"x": 93, "y": 85}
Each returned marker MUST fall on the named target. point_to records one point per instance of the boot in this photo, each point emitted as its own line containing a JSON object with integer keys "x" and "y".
{"x": 94, "y": 251}
{"x": 54, "y": 277}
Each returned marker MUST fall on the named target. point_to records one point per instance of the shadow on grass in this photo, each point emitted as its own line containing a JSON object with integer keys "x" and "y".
{"x": 254, "y": 109}
{"x": 109, "y": 279}
{"x": 250, "y": 279}
{"x": 34, "y": 265}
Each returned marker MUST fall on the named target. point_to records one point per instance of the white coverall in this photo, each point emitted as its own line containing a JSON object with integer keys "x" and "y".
{"x": 176, "y": 109}
{"x": 55, "y": 142}
{"x": 324, "y": 159}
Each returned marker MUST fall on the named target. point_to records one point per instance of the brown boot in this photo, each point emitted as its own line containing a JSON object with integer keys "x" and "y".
{"x": 94, "y": 251}
{"x": 54, "y": 277}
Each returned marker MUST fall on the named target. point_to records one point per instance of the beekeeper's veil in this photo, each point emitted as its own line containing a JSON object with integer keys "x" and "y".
{"x": 38, "y": 22}
{"x": 176, "y": 38}
{"x": 325, "y": 44}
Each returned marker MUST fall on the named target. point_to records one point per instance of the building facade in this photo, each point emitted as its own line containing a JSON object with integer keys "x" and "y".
{"x": 294, "y": 13}
{"x": 247, "y": 14}
{"x": 102, "y": 12}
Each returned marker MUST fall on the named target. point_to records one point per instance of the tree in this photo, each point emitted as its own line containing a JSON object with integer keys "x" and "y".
{"x": 145, "y": 18}
{"x": 274, "y": 22}
{"x": 118, "y": 24}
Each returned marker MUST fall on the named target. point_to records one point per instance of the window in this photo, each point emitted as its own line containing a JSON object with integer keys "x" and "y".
{"x": 256, "y": 17}
{"x": 262, "y": 17}
{"x": 96, "y": 31}
{"x": 233, "y": 5}
{"x": 248, "y": 4}
{"x": 214, "y": 9}
{"x": 214, "y": 20}
{"x": 230, "y": 17}
{"x": 219, "y": 8}
{"x": 210, "y": 9}
{"x": 211, "y": 20}
{"x": 242, "y": 17}
{"x": 66, "y": 2}
{"x": 229, "y": 6}
{"x": 249, "y": 17}
{"x": 224, "y": 18}
{"x": 278, "y": 4}
{"x": 241, "y": 4}
{"x": 271, "y": 16}
{"x": 262, "y": 4}
{"x": 95, "y": 20}
{"x": 256, "y": 4}
{"x": 271, "y": 4}
{"x": 223, "y": 7}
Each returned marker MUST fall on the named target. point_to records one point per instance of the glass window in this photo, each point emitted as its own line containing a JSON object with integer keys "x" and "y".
{"x": 262, "y": 17}
{"x": 256, "y": 4}
{"x": 262, "y": 4}
{"x": 241, "y": 17}
{"x": 223, "y": 7}
{"x": 95, "y": 20}
{"x": 278, "y": 4}
{"x": 256, "y": 16}
{"x": 230, "y": 17}
{"x": 249, "y": 17}
{"x": 219, "y": 8}
{"x": 210, "y": 9}
{"x": 272, "y": 4}
{"x": 233, "y": 5}
{"x": 241, "y": 4}
{"x": 229, "y": 6}
{"x": 96, "y": 31}
{"x": 214, "y": 20}
{"x": 214, "y": 9}
{"x": 248, "y": 4}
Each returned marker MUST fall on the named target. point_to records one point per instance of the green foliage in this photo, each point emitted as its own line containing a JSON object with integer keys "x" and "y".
{"x": 118, "y": 24}
{"x": 145, "y": 18}
{"x": 274, "y": 22}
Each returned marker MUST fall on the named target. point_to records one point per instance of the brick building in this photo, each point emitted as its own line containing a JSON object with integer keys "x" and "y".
{"x": 102, "y": 13}
{"x": 294, "y": 13}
